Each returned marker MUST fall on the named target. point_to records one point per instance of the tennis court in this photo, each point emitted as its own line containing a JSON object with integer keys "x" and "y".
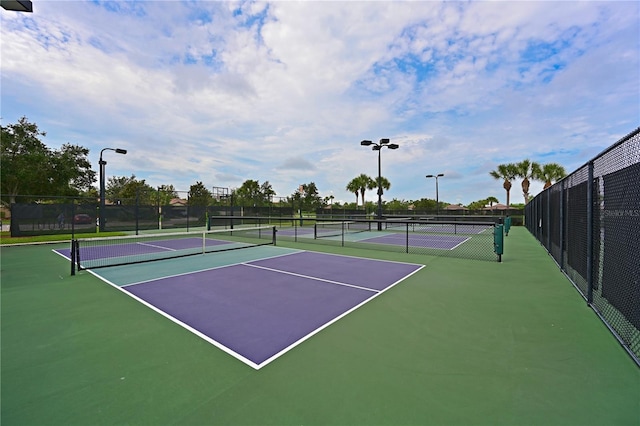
{"x": 254, "y": 305}
{"x": 398, "y": 233}
{"x": 472, "y": 240}
{"x": 457, "y": 342}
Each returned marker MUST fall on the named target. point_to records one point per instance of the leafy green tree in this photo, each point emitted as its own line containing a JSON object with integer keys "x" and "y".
{"x": 549, "y": 173}
{"x": 129, "y": 190}
{"x": 72, "y": 170}
{"x": 248, "y": 193}
{"x": 477, "y": 205}
{"x": 165, "y": 194}
{"x": 507, "y": 173}
{"x": 199, "y": 195}
{"x": 29, "y": 167}
{"x": 266, "y": 192}
{"x": 425, "y": 205}
{"x": 310, "y": 197}
{"x": 295, "y": 199}
{"x": 396, "y": 205}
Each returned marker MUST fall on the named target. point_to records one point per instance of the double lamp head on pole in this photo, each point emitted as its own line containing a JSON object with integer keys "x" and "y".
{"x": 378, "y": 147}
{"x": 437, "y": 198}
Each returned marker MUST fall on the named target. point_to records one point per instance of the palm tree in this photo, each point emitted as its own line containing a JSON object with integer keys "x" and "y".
{"x": 506, "y": 172}
{"x": 354, "y": 186}
{"x": 526, "y": 169}
{"x": 384, "y": 183}
{"x": 365, "y": 182}
{"x": 548, "y": 173}
{"x": 360, "y": 184}
{"x": 490, "y": 201}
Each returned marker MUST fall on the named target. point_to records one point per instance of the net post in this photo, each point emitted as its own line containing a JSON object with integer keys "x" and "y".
{"x": 407, "y": 237}
{"x": 78, "y": 254}
{"x": 498, "y": 241}
{"x": 274, "y": 235}
{"x": 562, "y": 224}
{"x": 73, "y": 256}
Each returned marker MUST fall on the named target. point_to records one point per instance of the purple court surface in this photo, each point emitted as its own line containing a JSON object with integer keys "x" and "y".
{"x": 443, "y": 242}
{"x": 259, "y": 309}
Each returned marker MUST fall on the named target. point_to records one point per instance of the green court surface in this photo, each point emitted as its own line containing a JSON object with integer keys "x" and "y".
{"x": 461, "y": 342}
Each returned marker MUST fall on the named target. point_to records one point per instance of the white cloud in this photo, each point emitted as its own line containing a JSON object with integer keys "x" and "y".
{"x": 220, "y": 92}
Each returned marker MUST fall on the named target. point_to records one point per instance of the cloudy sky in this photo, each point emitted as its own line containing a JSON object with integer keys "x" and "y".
{"x": 222, "y": 92}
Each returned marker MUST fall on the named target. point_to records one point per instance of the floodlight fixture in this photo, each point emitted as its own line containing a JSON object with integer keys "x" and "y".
{"x": 366, "y": 143}
{"x": 17, "y": 5}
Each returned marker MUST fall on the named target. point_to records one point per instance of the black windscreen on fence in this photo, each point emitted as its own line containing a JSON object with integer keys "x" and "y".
{"x": 590, "y": 224}
{"x": 555, "y": 218}
{"x": 577, "y": 229}
{"x": 621, "y": 262}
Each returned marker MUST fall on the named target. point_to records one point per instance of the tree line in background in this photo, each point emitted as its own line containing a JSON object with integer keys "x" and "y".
{"x": 29, "y": 168}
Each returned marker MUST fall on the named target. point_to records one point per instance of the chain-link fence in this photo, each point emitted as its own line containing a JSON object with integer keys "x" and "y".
{"x": 461, "y": 214}
{"x": 590, "y": 223}
{"x": 43, "y": 215}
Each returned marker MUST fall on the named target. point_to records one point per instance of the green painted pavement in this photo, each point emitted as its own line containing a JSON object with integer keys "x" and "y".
{"x": 460, "y": 343}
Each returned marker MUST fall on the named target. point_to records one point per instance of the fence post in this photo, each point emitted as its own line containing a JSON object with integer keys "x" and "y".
{"x": 137, "y": 210}
{"x": 590, "y": 233}
{"x": 548, "y": 224}
{"x": 561, "y": 231}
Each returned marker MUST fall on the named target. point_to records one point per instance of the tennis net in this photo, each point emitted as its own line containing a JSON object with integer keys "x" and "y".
{"x": 334, "y": 229}
{"x": 93, "y": 253}
{"x": 400, "y": 222}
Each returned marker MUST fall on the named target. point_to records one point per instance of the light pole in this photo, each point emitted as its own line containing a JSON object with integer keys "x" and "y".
{"x": 378, "y": 147}
{"x": 103, "y": 163}
{"x": 437, "y": 200}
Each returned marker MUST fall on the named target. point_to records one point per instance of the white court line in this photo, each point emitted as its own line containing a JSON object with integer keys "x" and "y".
{"x": 312, "y": 278}
{"x": 461, "y": 242}
{"x": 327, "y": 324}
{"x": 208, "y": 269}
{"x": 237, "y": 355}
{"x": 180, "y": 323}
{"x": 159, "y": 247}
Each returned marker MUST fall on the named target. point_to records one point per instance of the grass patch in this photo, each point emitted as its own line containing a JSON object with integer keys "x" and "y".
{"x": 6, "y": 238}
